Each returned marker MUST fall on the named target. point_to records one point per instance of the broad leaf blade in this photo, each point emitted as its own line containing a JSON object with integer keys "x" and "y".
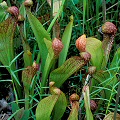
{"x": 40, "y": 33}
{"x": 15, "y": 107}
{"x": 49, "y": 47}
{"x": 7, "y": 29}
{"x": 61, "y": 74}
{"x": 59, "y": 107}
{"x": 25, "y": 115}
{"x": 66, "y": 41}
{"x": 94, "y": 47}
{"x": 19, "y": 114}
{"x": 45, "y": 107}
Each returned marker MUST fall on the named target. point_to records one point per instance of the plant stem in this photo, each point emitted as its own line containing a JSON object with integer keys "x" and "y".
{"x": 38, "y": 58}
{"x": 55, "y": 18}
{"x": 32, "y": 91}
{"x": 26, "y": 99}
{"x": 104, "y": 11}
{"x": 84, "y": 15}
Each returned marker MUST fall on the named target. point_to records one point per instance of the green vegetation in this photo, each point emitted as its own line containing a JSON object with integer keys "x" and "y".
{"x": 64, "y": 55}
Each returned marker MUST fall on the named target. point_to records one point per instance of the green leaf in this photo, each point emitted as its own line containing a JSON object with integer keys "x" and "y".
{"x": 74, "y": 112}
{"x": 27, "y": 56}
{"x": 23, "y": 12}
{"x": 76, "y": 1}
{"x": 48, "y": 64}
{"x": 40, "y": 33}
{"x": 59, "y": 107}
{"x": 66, "y": 41}
{"x": 52, "y": 106}
{"x": 19, "y": 114}
{"x": 3, "y": 9}
{"x": 87, "y": 102}
{"x": 49, "y": 47}
{"x": 15, "y": 107}
{"x": 45, "y": 107}
{"x": 7, "y": 29}
{"x": 115, "y": 64}
{"x": 61, "y": 74}
{"x": 25, "y": 115}
{"x": 94, "y": 47}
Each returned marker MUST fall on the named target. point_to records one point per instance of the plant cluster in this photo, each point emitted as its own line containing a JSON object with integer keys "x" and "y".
{"x": 45, "y": 69}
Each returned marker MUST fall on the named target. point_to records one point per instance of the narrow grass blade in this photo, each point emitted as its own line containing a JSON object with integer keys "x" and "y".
{"x": 97, "y": 14}
{"x": 117, "y": 101}
{"x": 104, "y": 10}
{"x": 15, "y": 58}
{"x": 84, "y": 14}
{"x": 15, "y": 77}
{"x": 108, "y": 83}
